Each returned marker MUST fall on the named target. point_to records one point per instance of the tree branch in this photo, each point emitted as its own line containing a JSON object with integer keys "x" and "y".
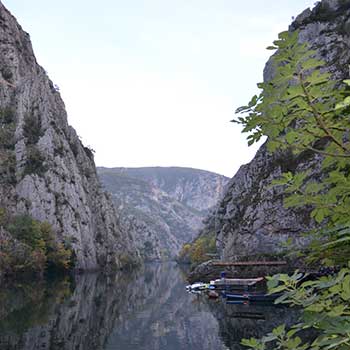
{"x": 319, "y": 119}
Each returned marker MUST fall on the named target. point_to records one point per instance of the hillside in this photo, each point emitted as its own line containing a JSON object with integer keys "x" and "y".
{"x": 198, "y": 189}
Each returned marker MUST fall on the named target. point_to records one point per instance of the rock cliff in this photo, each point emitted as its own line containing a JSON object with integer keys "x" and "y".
{"x": 250, "y": 220}
{"x": 162, "y": 207}
{"x": 46, "y": 171}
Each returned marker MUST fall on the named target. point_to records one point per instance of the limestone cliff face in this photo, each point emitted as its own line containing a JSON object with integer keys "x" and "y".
{"x": 251, "y": 220}
{"x": 45, "y": 169}
{"x": 163, "y": 208}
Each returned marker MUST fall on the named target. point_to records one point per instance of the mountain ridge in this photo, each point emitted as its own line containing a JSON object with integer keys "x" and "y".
{"x": 164, "y": 206}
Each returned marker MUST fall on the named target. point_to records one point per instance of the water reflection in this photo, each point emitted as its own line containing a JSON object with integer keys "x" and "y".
{"x": 165, "y": 316}
{"x": 148, "y": 309}
{"x": 246, "y": 321}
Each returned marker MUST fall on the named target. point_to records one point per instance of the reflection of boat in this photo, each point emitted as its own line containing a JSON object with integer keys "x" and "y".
{"x": 237, "y": 282}
{"x": 249, "y": 315}
{"x": 255, "y": 297}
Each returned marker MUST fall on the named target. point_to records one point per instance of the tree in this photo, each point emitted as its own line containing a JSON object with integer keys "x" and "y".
{"x": 304, "y": 110}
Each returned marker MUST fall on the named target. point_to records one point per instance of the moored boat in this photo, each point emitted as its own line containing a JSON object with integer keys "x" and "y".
{"x": 196, "y": 287}
{"x": 256, "y": 297}
{"x": 239, "y": 282}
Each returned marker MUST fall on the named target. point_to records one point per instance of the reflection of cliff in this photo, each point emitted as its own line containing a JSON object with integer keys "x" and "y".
{"x": 169, "y": 318}
{"x": 51, "y": 321}
{"x": 147, "y": 310}
{"x": 123, "y": 312}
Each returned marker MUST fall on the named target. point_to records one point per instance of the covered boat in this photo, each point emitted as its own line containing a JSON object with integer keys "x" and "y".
{"x": 237, "y": 282}
{"x": 252, "y": 296}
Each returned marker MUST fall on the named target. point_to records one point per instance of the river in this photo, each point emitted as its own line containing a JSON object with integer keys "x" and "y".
{"x": 147, "y": 309}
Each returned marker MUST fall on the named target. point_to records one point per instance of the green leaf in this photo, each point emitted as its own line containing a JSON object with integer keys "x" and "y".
{"x": 291, "y": 137}
{"x": 280, "y": 330}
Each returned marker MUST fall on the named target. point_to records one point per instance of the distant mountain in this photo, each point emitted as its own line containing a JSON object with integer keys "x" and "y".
{"x": 163, "y": 208}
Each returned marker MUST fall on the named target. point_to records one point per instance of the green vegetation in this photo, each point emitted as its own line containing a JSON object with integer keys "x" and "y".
{"x": 200, "y": 250}
{"x": 35, "y": 162}
{"x": 32, "y": 129}
{"x": 7, "y": 145}
{"x": 127, "y": 262}
{"x": 32, "y": 246}
{"x": 32, "y": 133}
{"x": 302, "y": 109}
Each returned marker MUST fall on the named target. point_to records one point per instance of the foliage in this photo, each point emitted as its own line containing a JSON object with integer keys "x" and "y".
{"x": 32, "y": 132}
{"x": 7, "y": 116}
{"x": 37, "y": 249}
{"x": 197, "y": 252}
{"x": 326, "y": 304}
{"x": 7, "y": 167}
{"x": 32, "y": 129}
{"x": 302, "y": 109}
{"x": 35, "y": 161}
{"x": 127, "y": 262}
{"x": 7, "y": 145}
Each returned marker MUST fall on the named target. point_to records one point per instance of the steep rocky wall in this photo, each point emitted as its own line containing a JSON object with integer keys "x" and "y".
{"x": 162, "y": 207}
{"x": 250, "y": 220}
{"x": 46, "y": 171}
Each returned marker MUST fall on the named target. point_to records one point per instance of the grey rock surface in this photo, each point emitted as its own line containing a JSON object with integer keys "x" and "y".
{"x": 46, "y": 171}
{"x": 250, "y": 220}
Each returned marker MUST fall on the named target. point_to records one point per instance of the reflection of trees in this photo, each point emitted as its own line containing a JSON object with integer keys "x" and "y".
{"x": 24, "y": 305}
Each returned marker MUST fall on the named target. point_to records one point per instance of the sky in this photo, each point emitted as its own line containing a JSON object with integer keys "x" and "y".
{"x": 156, "y": 82}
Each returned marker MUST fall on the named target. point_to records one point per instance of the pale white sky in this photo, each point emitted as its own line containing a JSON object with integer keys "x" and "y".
{"x": 156, "y": 82}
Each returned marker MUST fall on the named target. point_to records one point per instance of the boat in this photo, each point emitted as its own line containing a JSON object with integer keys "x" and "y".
{"x": 196, "y": 287}
{"x": 256, "y": 297}
{"x": 235, "y": 282}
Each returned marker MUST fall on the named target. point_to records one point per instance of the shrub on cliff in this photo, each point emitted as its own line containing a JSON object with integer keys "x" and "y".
{"x": 7, "y": 145}
{"x": 30, "y": 246}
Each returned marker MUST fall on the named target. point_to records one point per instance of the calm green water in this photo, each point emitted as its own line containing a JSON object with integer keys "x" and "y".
{"x": 148, "y": 309}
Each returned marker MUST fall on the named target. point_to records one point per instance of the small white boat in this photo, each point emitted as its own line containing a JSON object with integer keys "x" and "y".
{"x": 198, "y": 286}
